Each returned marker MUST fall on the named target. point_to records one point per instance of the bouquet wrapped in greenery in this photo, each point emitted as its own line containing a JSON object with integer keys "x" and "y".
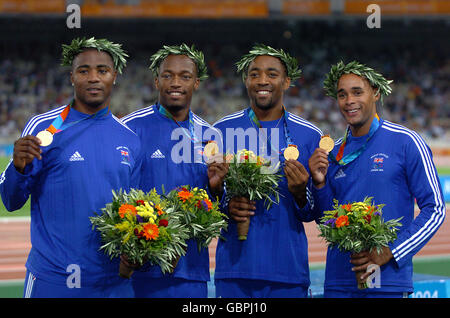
{"x": 198, "y": 214}
{"x": 252, "y": 177}
{"x": 141, "y": 227}
{"x": 357, "y": 227}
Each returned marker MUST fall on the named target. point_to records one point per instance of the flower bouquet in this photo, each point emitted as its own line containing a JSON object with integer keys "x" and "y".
{"x": 198, "y": 214}
{"x": 135, "y": 226}
{"x": 252, "y": 177}
{"x": 356, "y": 227}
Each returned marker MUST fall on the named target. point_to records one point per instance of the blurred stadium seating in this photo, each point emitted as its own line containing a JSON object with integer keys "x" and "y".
{"x": 412, "y": 51}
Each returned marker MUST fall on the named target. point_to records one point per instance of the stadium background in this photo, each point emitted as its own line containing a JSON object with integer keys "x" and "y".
{"x": 411, "y": 47}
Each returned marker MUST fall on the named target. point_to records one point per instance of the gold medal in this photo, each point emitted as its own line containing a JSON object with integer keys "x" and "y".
{"x": 291, "y": 152}
{"x": 326, "y": 143}
{"x": 45, "y": 137}
{"x": 211, "y": 149}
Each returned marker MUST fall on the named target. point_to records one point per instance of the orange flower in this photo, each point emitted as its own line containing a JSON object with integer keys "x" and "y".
{"x": 127, "y": 208}
{"x": 347, "y": 207}
{"x": 208, "y": 203}
{"x": 185, "y": 195}
{"x": 259, "y": 161}
{"x": 158, "y": 208}
{"x": 151, "y": 231}
{"x": 370, "y": 209}
{"x": 342, "y": 221}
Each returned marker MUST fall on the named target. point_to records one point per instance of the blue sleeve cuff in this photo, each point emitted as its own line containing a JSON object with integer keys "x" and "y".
{"x": 14, "y": 188}
{"x": 399, "y": 261}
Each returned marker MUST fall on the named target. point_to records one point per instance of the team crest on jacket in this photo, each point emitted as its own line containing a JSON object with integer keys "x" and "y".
{"x": 125, "y": 153}
{"x": 378, "y": 161}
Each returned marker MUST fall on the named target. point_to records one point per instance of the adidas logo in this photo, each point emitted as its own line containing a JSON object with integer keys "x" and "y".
{"x": 339, "y": 174}
{"x": 158, "y": 154}
{"x": 76, "y": 157}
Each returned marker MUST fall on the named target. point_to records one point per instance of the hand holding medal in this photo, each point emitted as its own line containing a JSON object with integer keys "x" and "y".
{"x": 318, "y": 162}
{"x": 25, "y": 150}
{"x": 217, "y": 168}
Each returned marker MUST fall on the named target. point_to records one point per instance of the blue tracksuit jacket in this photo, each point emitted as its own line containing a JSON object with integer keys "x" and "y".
{"x": 172, "y": 160}
{"x": 396, "y": 168}
{"x": 73, "y": 180}
{"x": 276, "y": 248}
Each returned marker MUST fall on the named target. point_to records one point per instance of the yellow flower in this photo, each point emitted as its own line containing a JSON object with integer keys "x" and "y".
{"x": 359, "y": 206}
{"x": 123, "y": 226}
{"x": 146, "y": 210}
{"x": 204, "y": 194}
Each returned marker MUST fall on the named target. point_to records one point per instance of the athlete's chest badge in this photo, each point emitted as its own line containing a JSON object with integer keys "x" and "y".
{"x": 378, "y": 162}
{"x": 125, "y": 154}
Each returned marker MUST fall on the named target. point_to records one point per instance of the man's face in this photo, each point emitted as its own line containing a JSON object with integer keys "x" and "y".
{"x": 266, "y": 82}
{"x": 356, "y": 99}
{"x": 176, "y": 82}
{"x": 93, "y": 77}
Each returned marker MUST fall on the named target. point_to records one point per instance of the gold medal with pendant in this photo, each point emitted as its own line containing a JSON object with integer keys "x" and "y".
{"x": 45, "y": 137}
{"x": 211, "y": 149}
{"x": 326, "y": 143}
{"x": 291, "y": 152}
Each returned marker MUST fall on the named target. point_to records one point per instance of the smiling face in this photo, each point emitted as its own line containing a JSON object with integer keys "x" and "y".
{"x": 93, "y": 77}
{"x": 266, "y": 82}
{"x": 357, "y": 102}
{"x": 176, "y": 82}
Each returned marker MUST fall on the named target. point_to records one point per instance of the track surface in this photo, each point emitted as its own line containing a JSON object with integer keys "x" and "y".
{"x": 15, "y": 245}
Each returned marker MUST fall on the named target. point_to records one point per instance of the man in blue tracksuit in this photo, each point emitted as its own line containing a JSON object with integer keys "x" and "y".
{"x": 383, "y": 160}
{"x": 273, "y": 261}
{"x": 173, "y": 140}
{"x": 80, "y": 154}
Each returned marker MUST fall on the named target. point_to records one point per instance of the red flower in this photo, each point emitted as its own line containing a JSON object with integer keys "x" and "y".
{"x": 138, "y": 234}
{"x": 140, "y": 202}
{"x": 163, "y": 222}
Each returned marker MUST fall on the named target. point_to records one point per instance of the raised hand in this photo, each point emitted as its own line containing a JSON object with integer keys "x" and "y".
{"x": 297, "y": 177}
{"x": 318, "y": 167}
{"x": 25, "y": 150}
{"x": 217, "y": 170}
